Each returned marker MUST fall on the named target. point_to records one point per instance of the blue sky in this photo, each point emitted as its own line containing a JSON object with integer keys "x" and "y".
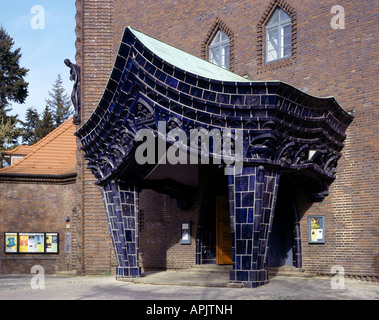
{"x": 43, "y": 49}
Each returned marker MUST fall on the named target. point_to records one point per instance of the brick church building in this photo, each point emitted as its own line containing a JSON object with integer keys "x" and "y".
{"x": 290, "y": 84}
{"x": 38, "y": 201}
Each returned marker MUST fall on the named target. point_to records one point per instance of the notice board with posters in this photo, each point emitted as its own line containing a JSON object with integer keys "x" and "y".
{"x": 316, "y": 229}
{"x": 31, "y": 242}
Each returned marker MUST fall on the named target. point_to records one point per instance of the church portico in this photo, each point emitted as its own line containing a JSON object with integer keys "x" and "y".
{"x": 268, "y": 128}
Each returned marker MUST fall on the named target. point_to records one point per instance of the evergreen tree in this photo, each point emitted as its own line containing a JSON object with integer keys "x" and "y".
{"x": 46, "y": 124}
{"x": 59, "y": 103}
{"x": 8, "y": 132}
{"x": 12, "y": 88}
{"x": 58, "y": 110}
{"x": 12, "y": 84}
{"x": 8, "y": 135}
{"x": 30, "y": 126}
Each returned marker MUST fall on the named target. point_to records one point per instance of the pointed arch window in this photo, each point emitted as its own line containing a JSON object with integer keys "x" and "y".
{"x": 219, "y": 50}
{"x": 278, "y": 36}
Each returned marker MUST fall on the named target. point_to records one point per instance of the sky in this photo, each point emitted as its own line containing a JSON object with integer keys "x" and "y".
{"x": 45, "y": 32}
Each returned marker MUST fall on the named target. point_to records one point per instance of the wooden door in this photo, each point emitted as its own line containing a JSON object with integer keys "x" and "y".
{"x": 224, "y": 242}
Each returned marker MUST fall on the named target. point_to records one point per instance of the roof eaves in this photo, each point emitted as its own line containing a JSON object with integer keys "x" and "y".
{"x": 40, "y": 144}
{"x": 38, "y": 178}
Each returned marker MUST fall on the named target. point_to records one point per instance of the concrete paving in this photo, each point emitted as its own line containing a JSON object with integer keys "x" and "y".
{"x": 179, "y": 285}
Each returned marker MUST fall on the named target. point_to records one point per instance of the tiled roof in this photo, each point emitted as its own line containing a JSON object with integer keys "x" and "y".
{"x": 21, "y": 150}
{"x": 54, "y": 155}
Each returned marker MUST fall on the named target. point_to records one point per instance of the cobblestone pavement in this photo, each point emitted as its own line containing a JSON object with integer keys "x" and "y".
{"x": 107, "y": 288}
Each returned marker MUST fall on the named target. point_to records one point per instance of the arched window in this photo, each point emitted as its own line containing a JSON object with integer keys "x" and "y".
{"x": 278, "y": 36}
{"x": 219, "y": 50}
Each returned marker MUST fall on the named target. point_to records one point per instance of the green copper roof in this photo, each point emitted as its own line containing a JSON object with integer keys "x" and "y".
{"x": 186, "y": 61}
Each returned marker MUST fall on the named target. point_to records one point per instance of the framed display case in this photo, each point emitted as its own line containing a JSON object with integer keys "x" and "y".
{"x": 316, "y": 229}
{"x": 185, "y": 232}
{"x": 31, "y": 243}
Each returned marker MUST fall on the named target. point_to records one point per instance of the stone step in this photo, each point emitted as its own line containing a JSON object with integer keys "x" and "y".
{"x": 211, "y": 268}
{"x": 287, "y": 271}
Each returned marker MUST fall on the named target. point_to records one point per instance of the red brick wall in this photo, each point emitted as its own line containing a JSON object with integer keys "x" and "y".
{"x": 327, "y": 62}
{"x": 160, "y": 246}
{"x": 94, "y": 55}
{"x": 26, "y": 207}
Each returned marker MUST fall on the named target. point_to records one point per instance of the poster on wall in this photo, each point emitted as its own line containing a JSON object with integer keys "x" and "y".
{"x": 39, "y": 243}
{"x": 11, "y": 243}
{"x": 23, "y": 243}
{"x": 316, "y": 229}
{"x": 31, "y": 243}
{"x": 52, "y": 242}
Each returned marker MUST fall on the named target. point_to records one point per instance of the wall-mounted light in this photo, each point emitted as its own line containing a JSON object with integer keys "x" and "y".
{"x": 67, "y": 219}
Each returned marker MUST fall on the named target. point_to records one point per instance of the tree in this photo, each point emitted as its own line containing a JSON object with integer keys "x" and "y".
{"x": 60, "y": 103}
{"x": 12, "y": 84}
{"x": 7, "y": 131}
{"x": 46, "y": 124}
{"x": 58, "y": 110}
{"x": 8, "y": 134}
{"x": 30, "y": 126}
{"x": 12, "y": 87}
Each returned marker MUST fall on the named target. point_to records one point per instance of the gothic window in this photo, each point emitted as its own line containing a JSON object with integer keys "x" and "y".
{"x": 219, "y": 50}
{"x": 278, "y": 36}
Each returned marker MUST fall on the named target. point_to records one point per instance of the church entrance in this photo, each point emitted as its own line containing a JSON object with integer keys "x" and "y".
{"x": 285, "y": 233}
{"x": 147, "y": 97}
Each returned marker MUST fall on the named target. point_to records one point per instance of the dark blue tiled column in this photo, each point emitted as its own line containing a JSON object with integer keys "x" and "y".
{"x": 252, "y": 198}
{"x": 121, "y": 204}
